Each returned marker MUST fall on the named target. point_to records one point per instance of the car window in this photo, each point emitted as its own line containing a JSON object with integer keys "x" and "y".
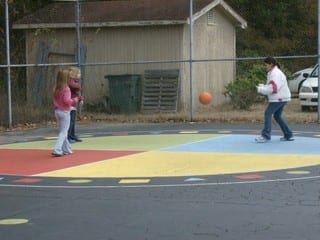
{"x": 294, "y": 76}
{"x": 314, "y": 72}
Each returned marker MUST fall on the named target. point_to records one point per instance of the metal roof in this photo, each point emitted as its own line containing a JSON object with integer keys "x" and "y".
{"x": 123, "y": 12}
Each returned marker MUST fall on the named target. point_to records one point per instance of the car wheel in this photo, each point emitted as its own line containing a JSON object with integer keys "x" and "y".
{"x": 300, "y": 84}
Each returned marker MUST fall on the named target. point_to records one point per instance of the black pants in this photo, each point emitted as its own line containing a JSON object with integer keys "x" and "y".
{"x": 71, "y": 131}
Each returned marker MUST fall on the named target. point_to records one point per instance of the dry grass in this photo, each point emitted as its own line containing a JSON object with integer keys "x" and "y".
{"x": 221, "y": 114}
{"x": 208, "y": 114}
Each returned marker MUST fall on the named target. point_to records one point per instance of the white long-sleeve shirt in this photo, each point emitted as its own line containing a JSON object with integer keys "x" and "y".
{"x": 276, "y": 87}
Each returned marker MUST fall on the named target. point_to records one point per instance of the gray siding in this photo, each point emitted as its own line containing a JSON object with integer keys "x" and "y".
{"x": 211, "y": 41}
{"x": 146, "y": 43}
{"x": 107, "y": 45}
{"x": 130, "y": 44}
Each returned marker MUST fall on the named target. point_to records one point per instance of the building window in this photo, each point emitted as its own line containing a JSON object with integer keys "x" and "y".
{"x": 210, "y": 16}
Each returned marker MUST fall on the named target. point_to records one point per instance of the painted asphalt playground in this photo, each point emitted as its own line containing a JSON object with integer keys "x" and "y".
{"x": 160, "y": 181}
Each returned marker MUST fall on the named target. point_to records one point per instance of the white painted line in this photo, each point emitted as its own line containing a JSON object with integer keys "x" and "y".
{"x": 193, "y": 179}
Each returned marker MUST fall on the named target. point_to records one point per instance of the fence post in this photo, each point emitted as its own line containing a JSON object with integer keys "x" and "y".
{"x": 318, "y": 61}
{"x": 8, "y": 63}
{"x": 191, "y": 59}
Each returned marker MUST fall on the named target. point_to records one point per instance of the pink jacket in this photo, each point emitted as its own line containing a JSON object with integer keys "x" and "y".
{"x": 63, "y": 100}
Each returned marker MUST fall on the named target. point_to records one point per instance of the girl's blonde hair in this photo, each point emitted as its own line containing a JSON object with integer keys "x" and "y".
{"x": 73, "y": 72}
{"x": 61, "y": 81}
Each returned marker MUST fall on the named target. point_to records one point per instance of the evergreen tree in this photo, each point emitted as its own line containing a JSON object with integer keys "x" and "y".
{"x": 277, "y": 28}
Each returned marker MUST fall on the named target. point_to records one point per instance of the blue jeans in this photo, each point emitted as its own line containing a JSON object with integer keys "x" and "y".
{"x": 275, "y": 109}
{"x": 62, "y": 144}
{"x": 71, "y": 131}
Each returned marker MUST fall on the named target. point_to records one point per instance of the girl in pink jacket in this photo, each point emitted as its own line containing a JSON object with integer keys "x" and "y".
{"x": 62, "y": 102}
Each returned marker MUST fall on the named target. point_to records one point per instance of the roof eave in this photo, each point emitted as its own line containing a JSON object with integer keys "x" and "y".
{"x": 237, "y": 17}
{"x": 100, "y": 24}
{"x": 241, "y": 22}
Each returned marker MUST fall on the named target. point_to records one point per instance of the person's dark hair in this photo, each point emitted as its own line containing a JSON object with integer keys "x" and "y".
{"x": 273, "y": 61}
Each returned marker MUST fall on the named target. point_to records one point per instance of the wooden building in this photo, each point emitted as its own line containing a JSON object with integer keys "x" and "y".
{"x": 143, "y": 35}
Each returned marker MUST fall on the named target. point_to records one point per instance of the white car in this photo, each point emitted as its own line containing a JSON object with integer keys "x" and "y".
{"x": 308, "y": 95}
{"x": 296, "y": 80}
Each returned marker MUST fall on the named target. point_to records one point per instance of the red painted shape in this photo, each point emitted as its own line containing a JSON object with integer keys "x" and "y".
{"x": 250, "y": 176}
{"x": 36, "y": 161}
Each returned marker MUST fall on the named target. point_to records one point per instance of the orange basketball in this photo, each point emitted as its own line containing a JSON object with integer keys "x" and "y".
{"x": 205, "y": 98}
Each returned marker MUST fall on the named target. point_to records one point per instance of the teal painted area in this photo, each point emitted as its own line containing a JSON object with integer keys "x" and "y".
{"x": 129, "y": 142}
{"x": 246, "y": 144}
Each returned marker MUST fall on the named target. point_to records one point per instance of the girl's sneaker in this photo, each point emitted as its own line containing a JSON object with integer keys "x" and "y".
{"x": 56, "y": 154}
{"x": 287, "y": 139}
{"x": 261, "y": 139}
{"x": 67, "y": 153}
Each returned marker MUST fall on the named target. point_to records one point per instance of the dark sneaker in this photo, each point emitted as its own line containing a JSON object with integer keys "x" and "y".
{"x": 74, "y": 139}
{"x": 283, "y": 139}
{"x": 71, "y": 140}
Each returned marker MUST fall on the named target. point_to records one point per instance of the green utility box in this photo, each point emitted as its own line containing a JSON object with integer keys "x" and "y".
{"x": 124, "y": 93}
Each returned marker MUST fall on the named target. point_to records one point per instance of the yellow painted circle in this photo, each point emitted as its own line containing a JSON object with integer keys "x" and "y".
{"x": 13, "y": 221}
{"x": 79, "y": 181}
{"x": 224, "y": 132}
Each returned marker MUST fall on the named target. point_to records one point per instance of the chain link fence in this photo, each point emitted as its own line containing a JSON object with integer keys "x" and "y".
{"x": 141, "y": 69}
